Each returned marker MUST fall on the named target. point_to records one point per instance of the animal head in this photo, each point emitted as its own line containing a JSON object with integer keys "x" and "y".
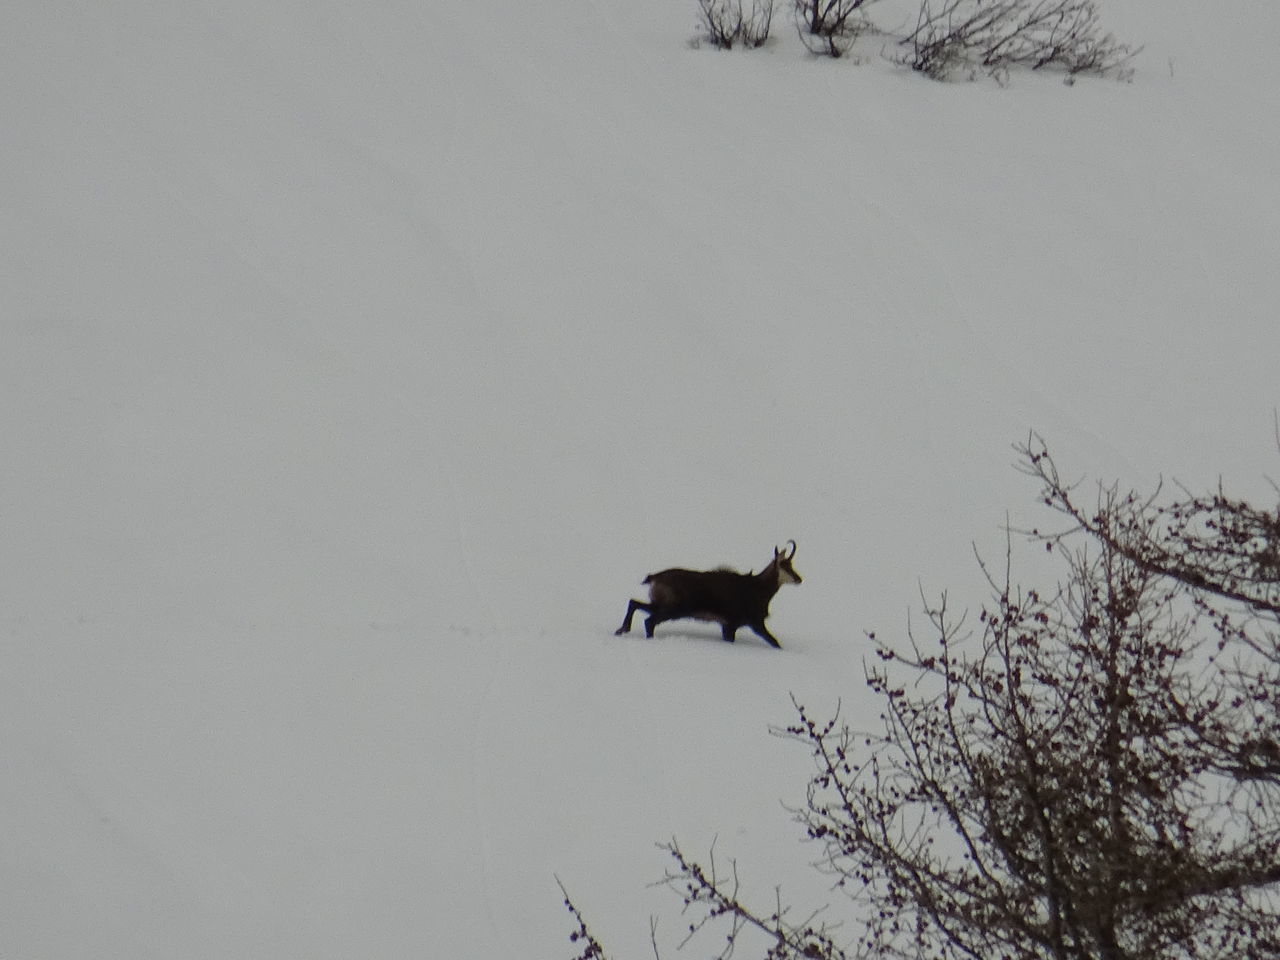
{"x": 782, "y": 563}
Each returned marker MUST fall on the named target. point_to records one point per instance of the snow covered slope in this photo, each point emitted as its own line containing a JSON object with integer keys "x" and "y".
{"x": 358, "y": 362}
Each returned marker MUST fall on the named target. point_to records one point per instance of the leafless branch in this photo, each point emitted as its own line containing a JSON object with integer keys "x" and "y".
{"x": 994, "y": 35}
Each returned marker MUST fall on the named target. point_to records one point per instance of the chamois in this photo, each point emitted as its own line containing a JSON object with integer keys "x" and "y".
{"x": 726, "y": 597}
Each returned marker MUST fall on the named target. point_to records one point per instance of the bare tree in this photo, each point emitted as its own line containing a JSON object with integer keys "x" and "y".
{"x": 993, "y": 35}
{"x": 830, "y": 26}
{"x": 1088, "y": 773}
{"x": 1225, "y": 554}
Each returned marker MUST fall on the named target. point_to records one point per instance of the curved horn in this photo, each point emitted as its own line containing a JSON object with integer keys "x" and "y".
{"x": 793, "y": 549}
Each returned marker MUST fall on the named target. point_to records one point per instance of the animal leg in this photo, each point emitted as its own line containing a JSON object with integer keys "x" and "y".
{"x": 632, "y": 607}
{"x": 659, "y": 614}
{"x": 761, "y": 631}
{"x": 729, "y": 632}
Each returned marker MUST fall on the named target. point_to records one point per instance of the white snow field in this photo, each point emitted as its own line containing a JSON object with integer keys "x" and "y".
{"x": 358, "y": 360}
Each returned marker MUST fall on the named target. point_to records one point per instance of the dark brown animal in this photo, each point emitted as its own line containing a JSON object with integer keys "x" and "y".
{"x": 726, "y": 597}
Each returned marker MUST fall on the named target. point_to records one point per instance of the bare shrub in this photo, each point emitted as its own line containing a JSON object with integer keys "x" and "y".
{"x": 994, "y": 35}
{"x": 830, "y": 27}
{"x": 726, "y": 22}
